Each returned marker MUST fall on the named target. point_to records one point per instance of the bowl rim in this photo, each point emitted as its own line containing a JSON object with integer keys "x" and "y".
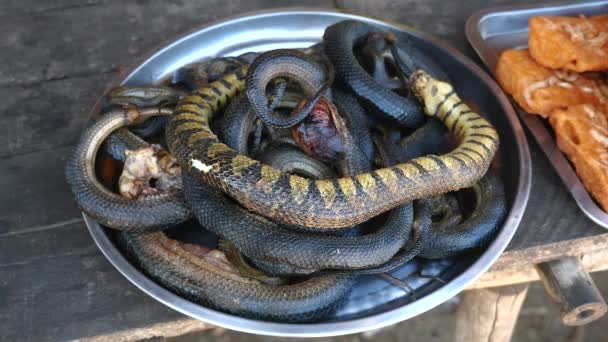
{"x": 375, "y": 321}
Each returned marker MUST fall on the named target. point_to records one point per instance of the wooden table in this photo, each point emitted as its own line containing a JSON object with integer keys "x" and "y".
{"x": 57, "y": 57}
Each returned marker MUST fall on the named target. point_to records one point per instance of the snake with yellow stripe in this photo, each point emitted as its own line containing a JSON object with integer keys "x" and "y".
{"x": 329, "y": 203}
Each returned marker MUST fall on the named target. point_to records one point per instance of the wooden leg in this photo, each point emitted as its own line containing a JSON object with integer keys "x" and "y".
{"x": 489, "y": 314}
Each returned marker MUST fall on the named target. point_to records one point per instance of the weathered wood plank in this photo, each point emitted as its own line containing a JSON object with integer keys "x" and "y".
{"x": 593, "y": 260}
{"x": 180, "y": 327}
{"x": 35, "y": 195}
{"x": 55, "y": 285}
{"x": 89, "y": 43}
{"x": 48, "y": 114}
{"x": 537, "y": 251}
{"x": 92, "y": 39}
{"x": 21, "y": 7}
{"x": 489, "y": 315}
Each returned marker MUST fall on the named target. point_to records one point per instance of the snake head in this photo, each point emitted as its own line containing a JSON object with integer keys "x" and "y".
{"x": 321, "y": 134}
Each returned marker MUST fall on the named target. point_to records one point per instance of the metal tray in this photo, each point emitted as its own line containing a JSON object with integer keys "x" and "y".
{"x": 374, "y": 301}
{"x": 494, "y": 30}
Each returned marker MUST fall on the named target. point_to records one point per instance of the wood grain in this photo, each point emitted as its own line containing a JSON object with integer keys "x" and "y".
{"x": 593, "y": 260}
{"x": 47, "y": 115}
{"x": 78, "y": 43}
{"x": 56, "y": 286}
{"x": 35, "y": 194}
{"x": 489, "y": 315}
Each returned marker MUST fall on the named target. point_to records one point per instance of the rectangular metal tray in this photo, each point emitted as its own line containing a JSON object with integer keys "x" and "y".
{"x": 494, "y": 30}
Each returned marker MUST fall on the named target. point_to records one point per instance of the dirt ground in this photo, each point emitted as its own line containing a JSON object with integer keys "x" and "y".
{"x": 538, "y": 321}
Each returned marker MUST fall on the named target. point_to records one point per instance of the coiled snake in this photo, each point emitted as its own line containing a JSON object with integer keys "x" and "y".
{"x": 329, "y": 203}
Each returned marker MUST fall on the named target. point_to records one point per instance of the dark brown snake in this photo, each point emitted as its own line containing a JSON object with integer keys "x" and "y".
{"x": 189, "y": 275}
{"x": 329, "y": 203}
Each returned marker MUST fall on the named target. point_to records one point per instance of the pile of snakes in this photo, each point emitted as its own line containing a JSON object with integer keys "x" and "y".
{"x": 311, "y": 166}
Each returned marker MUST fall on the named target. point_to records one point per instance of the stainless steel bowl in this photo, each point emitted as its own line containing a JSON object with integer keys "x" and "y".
{"x": 375, "y": 301}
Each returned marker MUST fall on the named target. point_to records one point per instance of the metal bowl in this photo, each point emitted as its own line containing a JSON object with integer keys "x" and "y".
{"x": 375, "y": 301}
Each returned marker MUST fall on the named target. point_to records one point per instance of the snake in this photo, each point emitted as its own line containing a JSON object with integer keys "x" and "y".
{"x": 356, "y": 121}
{"x": 430, "y": 138}
{"x": 140, "y": 97}
{"x": 476, "y": 230}
{"x": 143, "y": 97}
{"x": 330, "y": 203}
{"x": 145, "y": 213}
{"x": 376, "y": 58}
{"x": 185, "y": 273}
{"x": 420, "y": 230}
{"x": 269, "y": 243}
{"x": 288, "y": 158}
{"x": 340, "y": 40}
{"x": 122, "y": 140}
{"x": 197, "y": 74}
{"x": 409, "y": 249}
{"x": 264, "y": 240}
{"x": 238, "y": 260}
{"x": 290, "y": 64}
{"x": 239, "y": 120}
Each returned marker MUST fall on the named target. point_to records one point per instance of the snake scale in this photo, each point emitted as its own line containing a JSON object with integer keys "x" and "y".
{"x": 333, "y": 203}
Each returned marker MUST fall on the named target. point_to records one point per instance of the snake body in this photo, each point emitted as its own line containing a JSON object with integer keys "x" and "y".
{"x": 146, "y": 213}
{"x": 430, "y": 138}
{"x": 239, "y": 120}
{"x": 190, "y": 276}
{"x": 356, "y": 121}
{"x": 138, "y": 97}
{"x": 143, "y": 97}
{"x": 122, "y": 140}
{"x": 420, "y": 231}
{"x": 474, "y": 231}
{"x": 290, "y": 159}
{"x": 330, "y": 203}
{"x": 340, "y": 40}
{"x": 289, "y": 64}
{"x": 397, "y": 225}
{"x": 259, "y": 238}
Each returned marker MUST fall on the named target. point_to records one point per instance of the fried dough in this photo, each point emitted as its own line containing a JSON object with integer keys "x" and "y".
{"x": 540, "y": 90}
{"x": 582, "y": 134}
{"x": 569, "y": 43}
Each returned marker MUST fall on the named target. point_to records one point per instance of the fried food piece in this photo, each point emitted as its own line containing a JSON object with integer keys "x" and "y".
{"x": 540, "y": 90}
{"x": 582, "y": 134}
{"x": 577, "y": 44}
